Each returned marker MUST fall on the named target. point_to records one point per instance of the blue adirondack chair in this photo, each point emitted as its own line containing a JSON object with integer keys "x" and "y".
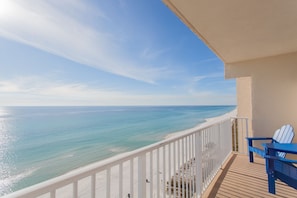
{"x": 283, "y": 135}
{"x": 279, "y": 167}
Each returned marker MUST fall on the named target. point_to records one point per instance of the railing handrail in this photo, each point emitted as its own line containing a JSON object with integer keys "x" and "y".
{"x": 86, "y": 171}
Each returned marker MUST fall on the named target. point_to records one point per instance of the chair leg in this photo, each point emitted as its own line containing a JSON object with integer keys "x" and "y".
{"x": 271, "y": 183}
{"x": 251, "y": 157}
{"x": 250, "y": 144}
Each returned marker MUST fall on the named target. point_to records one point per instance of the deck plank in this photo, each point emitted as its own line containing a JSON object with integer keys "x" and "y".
{"x": 239, "y": 178}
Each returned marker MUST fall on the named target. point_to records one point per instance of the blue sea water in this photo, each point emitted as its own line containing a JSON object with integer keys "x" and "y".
{"x": 39, "y": 143}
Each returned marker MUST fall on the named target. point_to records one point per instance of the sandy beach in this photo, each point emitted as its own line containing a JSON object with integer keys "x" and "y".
{"x": 208, "y": 122}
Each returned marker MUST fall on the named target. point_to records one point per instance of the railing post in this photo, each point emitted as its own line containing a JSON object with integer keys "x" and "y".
{"x": 238, "y": 135}
{"x": 198, "y": 159}
{"x": 247, "y": 131}
{"x": 142, "y": 176}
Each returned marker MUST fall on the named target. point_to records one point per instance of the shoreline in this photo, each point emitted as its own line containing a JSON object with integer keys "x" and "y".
{"x": 208, "y": 121}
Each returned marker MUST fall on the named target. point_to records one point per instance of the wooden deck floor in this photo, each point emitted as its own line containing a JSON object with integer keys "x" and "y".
{"x": 239, "y": 178}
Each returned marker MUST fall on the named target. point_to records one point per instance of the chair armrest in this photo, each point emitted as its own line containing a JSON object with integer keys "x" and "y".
{"x": 281, "y": 159}
{"x": 259, "y": 138}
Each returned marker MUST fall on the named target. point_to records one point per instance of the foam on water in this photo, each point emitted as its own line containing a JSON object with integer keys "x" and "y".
{"x": 7, "y": 183}
{"x": 118, "y": 149}
{"x": 67, "y": 156}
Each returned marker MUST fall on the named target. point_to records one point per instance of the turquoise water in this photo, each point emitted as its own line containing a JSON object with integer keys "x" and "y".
{"x": 39, "y": 143}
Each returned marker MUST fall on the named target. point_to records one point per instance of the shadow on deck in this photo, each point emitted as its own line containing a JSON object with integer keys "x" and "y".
{"x": 239, "y": 178}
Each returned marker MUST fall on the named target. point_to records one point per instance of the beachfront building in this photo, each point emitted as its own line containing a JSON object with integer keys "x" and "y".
{"x": 257, "y": 41}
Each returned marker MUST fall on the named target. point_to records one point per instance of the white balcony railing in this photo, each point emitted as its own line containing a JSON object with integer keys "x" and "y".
{"x": 182, "y": 166}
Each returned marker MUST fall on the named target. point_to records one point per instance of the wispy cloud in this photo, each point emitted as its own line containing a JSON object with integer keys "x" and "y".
{"x": 32, "y": 90}
{"x": 210, "y": 85}
{"x": 63, "y": 28}
{"x": 42, "y": 86}
{"x": 209, "y": 76}
{"x": 9, "y": 87}
{"x": 150, "y": 54}
{"x": 41, "y": 91}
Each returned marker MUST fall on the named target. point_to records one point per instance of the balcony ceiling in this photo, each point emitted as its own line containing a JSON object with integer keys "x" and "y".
{"x": 239, "y": 30}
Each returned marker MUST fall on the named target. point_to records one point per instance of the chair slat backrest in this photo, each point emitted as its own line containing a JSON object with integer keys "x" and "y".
{"x": 283, "y": 135}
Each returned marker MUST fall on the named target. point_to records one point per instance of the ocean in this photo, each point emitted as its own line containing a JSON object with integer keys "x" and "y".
{"x": 39, "y": 143}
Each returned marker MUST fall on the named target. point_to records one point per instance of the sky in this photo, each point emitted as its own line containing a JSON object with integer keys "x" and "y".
{"x": 99, "y": 52}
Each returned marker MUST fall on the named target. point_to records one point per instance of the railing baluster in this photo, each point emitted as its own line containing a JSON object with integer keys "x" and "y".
{"x": 142, "y": 176}
{"x": 190, "y": 164}
{"x": 108, "y": 183}
{"x": 204, "y": 158}
{"x": 169, "y": 169}
{"x": 187, "y": 167}
{"x": 183, "y": 168}
{"x": 151, "y": 174}
{"x": 199, "y": 178}
{"x": 53, "y": 194}
{"x": 75, "y": 191}
{"x": 194, "y": 163}
{"x": 174, "y": 169}
{"x": 158, "y": 173}
{"x": 131, "y": 178}
{"x": 164, "y": 188}
{"x": 121, "y": 180}
{"x": 179, "y": 171}
{"x": 93, "y": 186}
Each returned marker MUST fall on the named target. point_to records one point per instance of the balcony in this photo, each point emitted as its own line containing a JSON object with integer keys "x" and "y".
{"x": 202, "y": 162}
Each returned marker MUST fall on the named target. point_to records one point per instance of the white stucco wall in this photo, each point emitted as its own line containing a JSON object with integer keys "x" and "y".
{"x": 272, "y": 93}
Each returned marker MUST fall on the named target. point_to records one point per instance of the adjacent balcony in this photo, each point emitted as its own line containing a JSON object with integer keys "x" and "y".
{"x": 207, "y": 161}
